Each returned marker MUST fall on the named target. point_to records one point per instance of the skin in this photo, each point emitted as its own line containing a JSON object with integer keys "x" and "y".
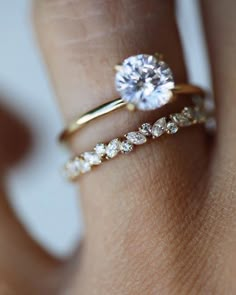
{"x": 162, "y": 219}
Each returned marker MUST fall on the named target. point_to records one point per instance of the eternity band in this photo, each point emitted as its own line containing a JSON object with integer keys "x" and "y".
{"x": 144, "y": 82}
{"x": 84, "y": 162}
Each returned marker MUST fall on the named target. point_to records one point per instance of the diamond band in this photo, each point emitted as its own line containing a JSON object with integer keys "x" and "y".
{"x": 166, "y": 125}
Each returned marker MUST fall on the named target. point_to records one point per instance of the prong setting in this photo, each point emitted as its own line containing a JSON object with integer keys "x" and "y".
{"x": 145, "y": 81}
{"x": 118, "y": 67}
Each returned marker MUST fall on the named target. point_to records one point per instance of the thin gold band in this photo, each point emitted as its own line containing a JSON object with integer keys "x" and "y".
{"x": 101, "y": 152}
{"x": 184, "y": 89}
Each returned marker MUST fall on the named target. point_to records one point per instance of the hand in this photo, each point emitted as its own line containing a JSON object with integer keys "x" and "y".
{"x": 162, "y": 219}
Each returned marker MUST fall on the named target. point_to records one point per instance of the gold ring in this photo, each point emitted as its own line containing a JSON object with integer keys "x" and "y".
{"x": 101, "y": 152}
{"x": 145, "y": 82}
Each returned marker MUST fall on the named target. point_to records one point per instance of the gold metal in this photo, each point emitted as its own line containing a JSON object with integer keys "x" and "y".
{"x": 181, "y": 89}
{"x": 86, "y": 161}
{"x": 118, "y": 67}
{"x": 159, "y": 56}
{"x": 131, "y": 107}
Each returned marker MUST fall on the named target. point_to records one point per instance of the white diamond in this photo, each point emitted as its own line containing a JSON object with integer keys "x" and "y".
{"x": 188, "y": 113}
{"x": 84, "y": 166}
{"x": 92, "y": 157}
{"x": 100, "y": 149}
{"x": 181, "y": 119}
{"x": 136, "y": 138}
{"x": 159, "y": 127}
{"x": 113, "y": 148}
{"x": 146, "y": 129}
{"x": 72, "y": 169}
{"x": 145, "y": 82}
{"x": 126, "y": 147}
{"x": 172, "y": 127}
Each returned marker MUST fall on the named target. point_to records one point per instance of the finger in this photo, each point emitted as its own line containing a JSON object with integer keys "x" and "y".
{"x": 220, "y": 29}
{"x": 219, "y": 18}
{"x": 129, "y": 199}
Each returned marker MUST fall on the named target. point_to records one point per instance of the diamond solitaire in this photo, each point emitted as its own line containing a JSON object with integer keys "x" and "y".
{"x": 144, "y": 81}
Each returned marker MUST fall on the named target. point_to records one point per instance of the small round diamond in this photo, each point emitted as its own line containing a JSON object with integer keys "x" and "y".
{"x": 100, "y": 149}
{"x": 84, "y": 166}
{"x": 144, "y": 81}
{"x": 72, "y": 169}
{"x": 146, "y": 129}
{"x": 172, "y": 128}
{"x": 188, "y": 112}
{"x": 126, "y": 147}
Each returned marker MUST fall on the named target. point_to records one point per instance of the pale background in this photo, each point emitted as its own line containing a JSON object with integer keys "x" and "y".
{"x": 44, "y": 202}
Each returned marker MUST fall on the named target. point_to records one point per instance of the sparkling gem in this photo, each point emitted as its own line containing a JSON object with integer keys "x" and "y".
{"x": 180, "y": 119}
{"x": 100, "y": 149}
{"x": 159, "y": 127}
{"x": 126, "y": 147}
{"x": 113, "y": 148}
{"x": 84, "y": 166}
{"x": 146, "y": 129}
{"x": 136, "y": 138}
{"x": 72, "y": 169}
{"x": 188, "y": 113}
{"x": 144, "y": 81}
{"x": 172, "y": 127}
{"x": 92, "y": 157}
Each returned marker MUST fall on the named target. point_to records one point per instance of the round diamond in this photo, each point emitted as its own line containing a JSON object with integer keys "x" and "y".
{"x": 100, "y": 149}
{"x": 126, "y": 147}
{"x": 72, "y": 169}
{"x": 188, "y": 113}
{"x": 144, "y": 81}
{"x": 172, "y": 128}
{"x": 146, "y": 129}
{"x": 84, "y": 166}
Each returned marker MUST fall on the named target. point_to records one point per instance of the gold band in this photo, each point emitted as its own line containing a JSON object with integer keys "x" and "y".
{"x": 181, "y": 89}
{"x": 101, "y": 152}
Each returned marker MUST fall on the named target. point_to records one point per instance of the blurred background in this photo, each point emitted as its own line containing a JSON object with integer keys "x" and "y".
{"x": 43, "y": 200}
{"x": 30, "y": 120}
